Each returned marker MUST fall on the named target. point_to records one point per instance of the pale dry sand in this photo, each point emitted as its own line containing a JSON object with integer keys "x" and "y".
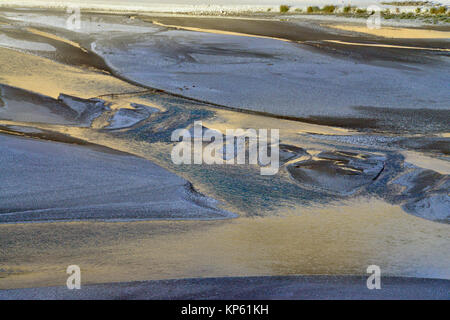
{"x": 49, "y": 78}
{"x": 397, "y": 33}
{"x": 54, "y": 37}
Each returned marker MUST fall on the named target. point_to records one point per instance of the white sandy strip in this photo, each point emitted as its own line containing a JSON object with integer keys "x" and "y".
{"x": 191, "y": 5}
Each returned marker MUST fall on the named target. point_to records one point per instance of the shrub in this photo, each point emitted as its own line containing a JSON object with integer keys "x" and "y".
{"x": 433, "y": 10}
{"x": 441, "y": 10}
{"x": 406, "y": 3}
{"x": 312, "y": 9}
{"x": 347, "y": 9}
{"x": 418, "y": 10}
{"x": 328, "y": 9}
{"x": 284, "y": 8}
{"x": 405, "y": 15}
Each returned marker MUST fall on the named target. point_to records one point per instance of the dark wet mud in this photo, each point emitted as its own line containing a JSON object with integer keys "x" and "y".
{"x": 291, "y": 288}
{"x": 388, "y": 120}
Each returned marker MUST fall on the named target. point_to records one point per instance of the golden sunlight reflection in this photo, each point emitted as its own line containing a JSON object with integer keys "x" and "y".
{"x": 336, "y": 239}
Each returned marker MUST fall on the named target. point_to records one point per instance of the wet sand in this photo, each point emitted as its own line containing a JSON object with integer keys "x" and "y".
{"x": 334, "y": 239}
{"x": 307, "y": 92}
{"x": 344, "y": 104}
{"x": 96, "y": 186}
{"x": 283, "y": 228}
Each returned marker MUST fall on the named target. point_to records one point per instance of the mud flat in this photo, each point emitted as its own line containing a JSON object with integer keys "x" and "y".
{"x": 301, "y": 69}
{"x": 56, "y": 182}
{"x": 345, "y": 196}
{"x": 292, "y": 69}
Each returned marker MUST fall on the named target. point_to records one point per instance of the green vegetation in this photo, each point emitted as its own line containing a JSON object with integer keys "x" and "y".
{"x": 284, "y": 8}
{"x": 312, "y": 9}
{"x": 328, "y": 9}
{"x": 432, "y": 15}
{"x": 406, "y": 3}
{"x": 438, "y": 11}
{"x": 406, "y": 15}
{"x": 347, "y": 9}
